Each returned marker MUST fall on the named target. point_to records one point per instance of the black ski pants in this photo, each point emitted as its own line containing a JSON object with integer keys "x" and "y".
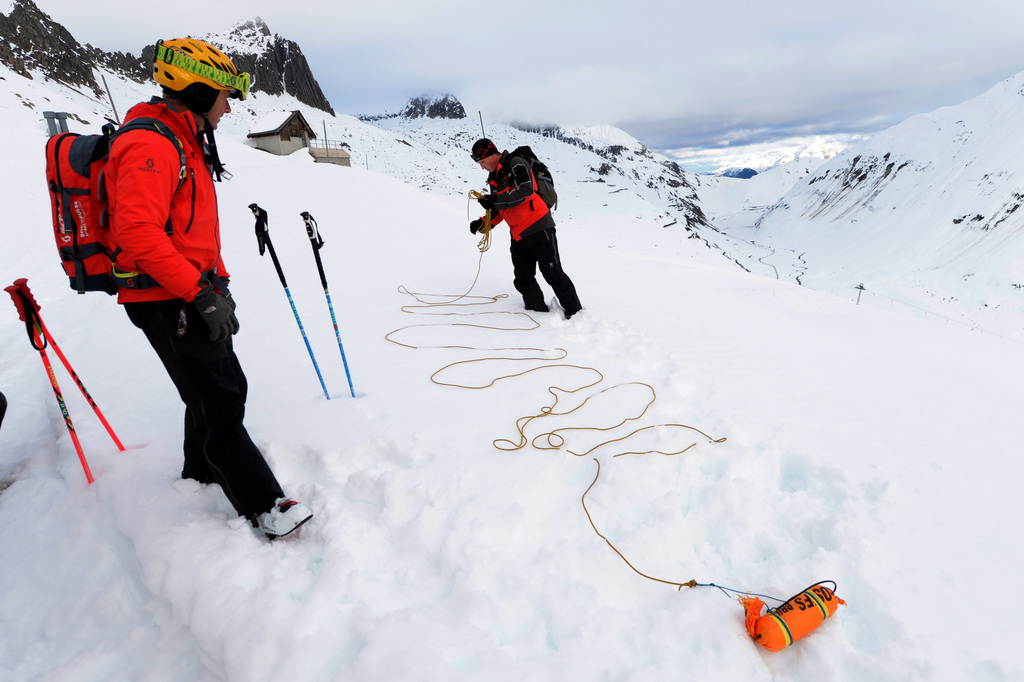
{"x": 212, "y": 385}
{"x": 540, "y": 249}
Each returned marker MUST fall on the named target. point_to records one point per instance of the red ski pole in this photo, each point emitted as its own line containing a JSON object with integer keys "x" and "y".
{"x": 81, "y": 386}
{"x": 22, "y": 285}
{"x": 28, "y": 310}
{"x": 67, "y": 415}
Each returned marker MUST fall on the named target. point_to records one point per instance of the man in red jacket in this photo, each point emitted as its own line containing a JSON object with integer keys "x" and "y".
{"x": 515, "y": 200}
{"x": 165, "y": 227}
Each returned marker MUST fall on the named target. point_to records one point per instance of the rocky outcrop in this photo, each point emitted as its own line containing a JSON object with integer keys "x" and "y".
{"x": 443, "y": 106}
{"x": 425, "y": 106}
{"x": 277, "y": 65}
{"x": 32, "y": 42}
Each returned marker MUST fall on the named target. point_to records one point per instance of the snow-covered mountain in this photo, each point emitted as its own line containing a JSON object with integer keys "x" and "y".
{"x": 33, "y": 45}
{"x": 923, "y": 191}
{"x": 606, "y": 158}
{"x": 425, "y": 143}
{"x": 444, "y": 105}
{"x": 925, "y": 212}
{"x": 277, "y": 64}
{"x": 740, "y": 202}
{"x": 763, "y": 156}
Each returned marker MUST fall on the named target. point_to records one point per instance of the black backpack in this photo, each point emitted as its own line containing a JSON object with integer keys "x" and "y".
{"x": 545, "y": 183}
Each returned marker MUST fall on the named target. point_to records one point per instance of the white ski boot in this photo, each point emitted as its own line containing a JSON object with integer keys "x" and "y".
{"x": 284, "y": 518}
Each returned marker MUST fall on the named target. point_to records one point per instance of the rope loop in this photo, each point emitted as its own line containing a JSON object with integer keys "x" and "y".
{"x": 542, "y": 359}
{"x": 485, "y": 230}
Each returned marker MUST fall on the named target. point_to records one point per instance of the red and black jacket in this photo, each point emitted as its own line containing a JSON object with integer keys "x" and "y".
{"x": 146, "y": 189}
{"x": 515, "y": 198}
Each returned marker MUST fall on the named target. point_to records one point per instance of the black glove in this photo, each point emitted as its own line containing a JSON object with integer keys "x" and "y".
{"x": 487, "y": 201}
{"x": 218, "y": 311}
{"x": 475, "y": 226}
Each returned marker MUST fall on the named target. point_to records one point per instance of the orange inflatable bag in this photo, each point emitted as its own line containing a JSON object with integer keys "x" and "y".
{"x": 780, "y": 627}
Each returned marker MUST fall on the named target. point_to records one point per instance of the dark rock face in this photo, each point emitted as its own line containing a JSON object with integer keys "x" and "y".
{"x": 741, "y": 173}
{"x": 30, "y": 40}
{"x": 445, "y": 106}
{"x": 280, "y": 68}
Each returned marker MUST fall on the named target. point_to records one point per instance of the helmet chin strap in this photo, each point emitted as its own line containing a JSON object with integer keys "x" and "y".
{"x": 212, "y": 158}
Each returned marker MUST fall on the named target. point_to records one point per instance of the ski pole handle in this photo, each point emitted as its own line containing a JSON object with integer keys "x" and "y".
{"x": 263, "y": 237}
{"x": 28, "y": 312}
{"x": 317, "y": 243}
{"x": 312, "y": 230}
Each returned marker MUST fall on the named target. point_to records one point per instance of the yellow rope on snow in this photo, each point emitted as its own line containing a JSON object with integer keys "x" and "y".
{"x": 689, "y": 583}
{"x": 554, "y": 439}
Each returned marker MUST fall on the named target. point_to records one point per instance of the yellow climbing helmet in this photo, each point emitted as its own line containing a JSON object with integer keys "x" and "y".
{"x": 182, "y": 62}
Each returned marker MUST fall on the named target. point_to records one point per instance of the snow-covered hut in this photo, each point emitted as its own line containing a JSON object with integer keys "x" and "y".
{"x": 282, "y": 132}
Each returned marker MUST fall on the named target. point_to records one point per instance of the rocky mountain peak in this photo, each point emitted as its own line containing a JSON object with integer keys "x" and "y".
{"x": 255, "y": 25}
{"x": 31, "y": 42}
{"x": 277, "y": 64}
{"x": 434, "y": 106}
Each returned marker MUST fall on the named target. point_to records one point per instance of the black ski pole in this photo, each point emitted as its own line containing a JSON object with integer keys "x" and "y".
{"x": 317, "y": 243}
{"x": 263, "y": 237}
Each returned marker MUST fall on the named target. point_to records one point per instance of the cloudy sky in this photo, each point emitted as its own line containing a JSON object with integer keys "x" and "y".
{"x": 674, "y": 74}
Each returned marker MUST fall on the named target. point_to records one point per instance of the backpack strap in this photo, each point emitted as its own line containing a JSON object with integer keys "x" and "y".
{"x": 155, "y": 125}
{"x": 130, "y": 279}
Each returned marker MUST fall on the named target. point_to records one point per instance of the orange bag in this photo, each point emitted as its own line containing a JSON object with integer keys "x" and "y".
{"x": 780, "y": 627}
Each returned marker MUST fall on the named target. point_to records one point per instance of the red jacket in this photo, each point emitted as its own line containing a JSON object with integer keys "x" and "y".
{"x": 515, "y": 198}
{"x": 142, "y": 177}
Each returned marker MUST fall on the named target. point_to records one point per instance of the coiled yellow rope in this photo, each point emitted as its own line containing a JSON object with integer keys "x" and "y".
{"x": 485, "y": 231}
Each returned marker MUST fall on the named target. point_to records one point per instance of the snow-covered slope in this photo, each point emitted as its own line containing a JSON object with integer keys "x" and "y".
{"x": 926, "y": 211}
{"x": 738, "y": 203}
{"x": 590, "y": 166}
{"x": 733, "y": 207}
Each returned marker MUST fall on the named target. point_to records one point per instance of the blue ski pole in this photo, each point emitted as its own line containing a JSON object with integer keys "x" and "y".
{"x": 263, "y": 237}
{"x": 317, "y": 242}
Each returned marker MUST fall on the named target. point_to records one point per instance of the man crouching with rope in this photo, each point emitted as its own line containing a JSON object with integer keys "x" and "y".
{"x": 514, "y": 199}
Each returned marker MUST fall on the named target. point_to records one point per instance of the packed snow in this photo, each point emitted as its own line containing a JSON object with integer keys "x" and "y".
{"x": 860, "y": 445}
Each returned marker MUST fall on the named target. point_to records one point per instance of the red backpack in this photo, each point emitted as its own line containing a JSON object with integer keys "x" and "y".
{"x": 78, "y": 203}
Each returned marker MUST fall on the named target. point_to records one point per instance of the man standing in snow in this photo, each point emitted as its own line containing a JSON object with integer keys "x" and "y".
{"x": 165, "y": 227}
{"x": 515, "y": 200}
